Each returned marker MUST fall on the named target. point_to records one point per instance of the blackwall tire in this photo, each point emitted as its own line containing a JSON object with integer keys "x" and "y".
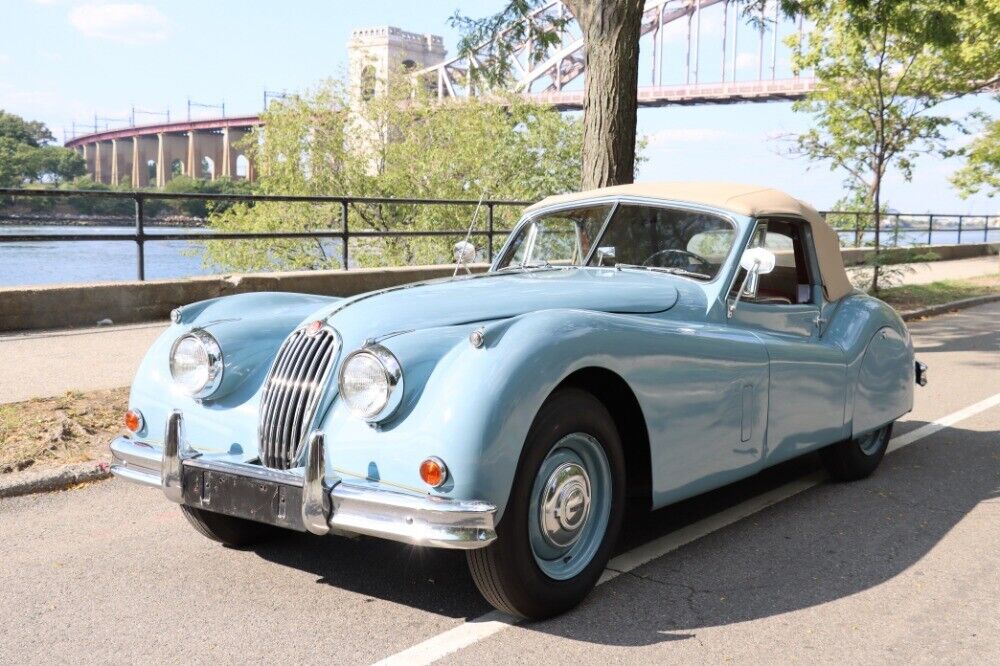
{"x": 564, "y": 456}
{"x": 234, "y": 532}
{"x": 857, "y": 458}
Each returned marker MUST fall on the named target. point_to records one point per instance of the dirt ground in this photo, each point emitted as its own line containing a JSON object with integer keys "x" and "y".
{"x": 74, "y": 427}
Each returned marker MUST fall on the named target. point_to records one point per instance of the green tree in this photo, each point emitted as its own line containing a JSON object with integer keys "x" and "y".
{"x": 982, "y": 167}
{"x": 26, "y": 155}
{"x": 203, "y": 207}
{"x": 886, "y": 66}
{"x": 611, "y": 32}
{"x": 398, "y": 143}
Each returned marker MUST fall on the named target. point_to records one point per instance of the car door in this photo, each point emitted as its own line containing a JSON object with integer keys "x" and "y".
{"x": 808, "y": 374}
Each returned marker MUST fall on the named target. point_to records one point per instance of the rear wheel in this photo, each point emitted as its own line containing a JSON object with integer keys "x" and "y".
{"x": 235, "y": 532}
{"x": 563, "y": 515}
{"x": 858, "y": 457}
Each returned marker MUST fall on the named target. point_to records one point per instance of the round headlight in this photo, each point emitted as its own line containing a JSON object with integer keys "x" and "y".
{"x": 196, "y": 363}
{"x": 371, "y": 383}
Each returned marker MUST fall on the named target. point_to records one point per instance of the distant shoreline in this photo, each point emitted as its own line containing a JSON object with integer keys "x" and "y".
{"x": 49, "y": 220}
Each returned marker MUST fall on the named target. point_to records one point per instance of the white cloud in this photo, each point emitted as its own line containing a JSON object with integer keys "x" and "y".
{"x": 126, "y": 23}
{"x": 667, "y": 138}
{"x": 4, "y": 59}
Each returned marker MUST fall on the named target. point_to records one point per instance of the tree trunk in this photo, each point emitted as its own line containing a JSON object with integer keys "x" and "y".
{"x": 611, "y": 30}
{"x": 877, "y": 215}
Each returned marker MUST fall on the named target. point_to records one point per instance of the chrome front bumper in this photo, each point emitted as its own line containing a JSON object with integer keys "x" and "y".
{"x": 327, "y": 505}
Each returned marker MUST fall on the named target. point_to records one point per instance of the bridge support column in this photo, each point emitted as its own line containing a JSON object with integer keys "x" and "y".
{"x": 230, "y": 153}
{"x": 122, "y": 154}
{"x": 171, "y": 148}
{"x": 216, "y": 152}
{"x": 90, "y": 159}
{"x": 102, "y": 161}
{"x": 195, "y": 151}
{"x": 144, "y": 149}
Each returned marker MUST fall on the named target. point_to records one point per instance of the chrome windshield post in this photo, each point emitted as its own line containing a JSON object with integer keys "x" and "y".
{"x": 315, "y": 497}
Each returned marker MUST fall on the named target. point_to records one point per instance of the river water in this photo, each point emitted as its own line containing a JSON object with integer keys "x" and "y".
{"x": 53, "y": 262}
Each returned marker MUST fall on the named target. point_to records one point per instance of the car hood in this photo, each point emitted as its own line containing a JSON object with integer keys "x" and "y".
{"x": 497, "y": 296}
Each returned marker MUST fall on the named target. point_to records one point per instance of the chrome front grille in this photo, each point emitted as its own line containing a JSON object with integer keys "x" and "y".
{"x": 292, "y": 393}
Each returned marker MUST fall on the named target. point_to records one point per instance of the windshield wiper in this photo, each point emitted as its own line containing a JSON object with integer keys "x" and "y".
{"x": 537, "y": 264}
{"x": 667, "y": 269}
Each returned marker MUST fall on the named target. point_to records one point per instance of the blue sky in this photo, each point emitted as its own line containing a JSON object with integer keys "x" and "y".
{"x": 65, "y": 60}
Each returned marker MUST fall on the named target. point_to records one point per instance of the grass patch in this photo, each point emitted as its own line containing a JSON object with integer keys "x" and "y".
{"x": 913, "y": 296}
{"x": 75, "y": 427}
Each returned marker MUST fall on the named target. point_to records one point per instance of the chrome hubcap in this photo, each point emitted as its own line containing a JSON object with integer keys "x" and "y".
{"x": 565, "y": 505}
{"x": 570, "y": 506}
{"x": 871, "y": 442}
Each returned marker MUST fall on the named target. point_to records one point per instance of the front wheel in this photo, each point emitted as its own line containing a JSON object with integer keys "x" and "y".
{"x": 857, "y": 458}
{"x": 228, "y": 530}
{"x": 563, "y": 515}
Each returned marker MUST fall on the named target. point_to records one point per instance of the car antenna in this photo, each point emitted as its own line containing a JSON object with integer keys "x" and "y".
{"x": 464, "y": 250}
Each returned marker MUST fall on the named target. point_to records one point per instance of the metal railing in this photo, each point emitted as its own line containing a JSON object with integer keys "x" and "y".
{"x": 847, "y": 224}
{"x": 895, "y": 226}
{"x": 344, "y": 232}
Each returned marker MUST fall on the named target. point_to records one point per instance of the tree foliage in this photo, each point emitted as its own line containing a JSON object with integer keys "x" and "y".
{"x": 885, "y": 68}
{"x": 26, "y": 155}
{"x": 981, "y": 172}
{"x": 611, "y": 32}
{"x": 398, "y": 144}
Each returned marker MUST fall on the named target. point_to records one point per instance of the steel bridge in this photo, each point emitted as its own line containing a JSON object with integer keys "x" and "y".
{"x": 692, "y": 51}
{"x": 691, "y": 54}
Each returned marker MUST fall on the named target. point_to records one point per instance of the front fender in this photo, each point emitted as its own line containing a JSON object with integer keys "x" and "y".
{"x": 472, "y": 407}
{"x": 249, "y": 328}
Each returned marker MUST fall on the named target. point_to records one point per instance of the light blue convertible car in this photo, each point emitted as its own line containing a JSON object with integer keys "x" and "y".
{"x": 647, "y": 342}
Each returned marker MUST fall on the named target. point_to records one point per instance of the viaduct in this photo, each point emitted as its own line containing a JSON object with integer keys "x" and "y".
{"x": 694, "y": 52}
{"x": 146, "y": 155}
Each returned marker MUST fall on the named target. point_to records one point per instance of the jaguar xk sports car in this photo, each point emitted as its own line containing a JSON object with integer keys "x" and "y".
{"x": 649, "y": 341}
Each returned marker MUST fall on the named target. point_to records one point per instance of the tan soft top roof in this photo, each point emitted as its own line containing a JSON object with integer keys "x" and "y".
{"x": 750, "y": 200}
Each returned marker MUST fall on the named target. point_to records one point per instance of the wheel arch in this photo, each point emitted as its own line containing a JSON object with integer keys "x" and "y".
{"x": 617, "y": 396}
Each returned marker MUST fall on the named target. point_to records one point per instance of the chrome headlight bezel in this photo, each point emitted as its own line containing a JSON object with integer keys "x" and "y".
{"x": 393, "y": 373}
{"x": 215, "y": 366}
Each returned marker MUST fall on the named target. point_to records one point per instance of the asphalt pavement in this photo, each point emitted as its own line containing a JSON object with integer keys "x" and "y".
{"x": 901, "y": 567}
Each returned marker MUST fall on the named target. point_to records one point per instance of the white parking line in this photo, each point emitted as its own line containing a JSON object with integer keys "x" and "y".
{"x": 486, "y": 625}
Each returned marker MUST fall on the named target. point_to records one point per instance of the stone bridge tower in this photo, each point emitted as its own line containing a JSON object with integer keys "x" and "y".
{"x": 375, "y": 53}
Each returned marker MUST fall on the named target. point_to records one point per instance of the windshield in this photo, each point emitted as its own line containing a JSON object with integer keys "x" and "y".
{"x": 560, "y": 238}
{"x": 689, "y": 243}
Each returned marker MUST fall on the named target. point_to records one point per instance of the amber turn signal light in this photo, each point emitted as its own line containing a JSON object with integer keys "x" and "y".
{"x": 434, "y": 472}
{"x": 133, "y": 420}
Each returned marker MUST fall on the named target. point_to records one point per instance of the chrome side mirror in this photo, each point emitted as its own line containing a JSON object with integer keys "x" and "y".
{"x": 756, "y": 261}
{"x": 607, "y": 252}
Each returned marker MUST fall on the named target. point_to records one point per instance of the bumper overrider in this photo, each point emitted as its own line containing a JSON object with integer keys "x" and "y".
{"x": 304, "y": 499}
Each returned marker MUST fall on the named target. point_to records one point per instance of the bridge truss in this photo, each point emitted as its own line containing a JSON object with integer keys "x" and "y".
{"x": 672, "y": 30}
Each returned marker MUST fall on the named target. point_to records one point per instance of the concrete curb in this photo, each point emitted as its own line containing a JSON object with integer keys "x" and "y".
{"x": 910, "y": 315}
{"x": 48, "y": 480}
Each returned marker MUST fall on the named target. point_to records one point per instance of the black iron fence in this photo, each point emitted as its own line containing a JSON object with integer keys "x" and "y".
{"x": 901, "y": 229}
{"x": 340, "y": 228}
{"x": 855, "y": 228}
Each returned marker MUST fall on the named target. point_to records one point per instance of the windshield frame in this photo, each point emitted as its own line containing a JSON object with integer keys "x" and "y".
{"x": 615, "y": 202}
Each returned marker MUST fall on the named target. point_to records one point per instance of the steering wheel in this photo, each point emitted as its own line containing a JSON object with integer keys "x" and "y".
{"x": 697, "y": 257}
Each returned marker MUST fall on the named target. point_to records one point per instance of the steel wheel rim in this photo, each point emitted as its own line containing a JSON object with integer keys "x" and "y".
{"x": 871, "y": 442}
{"x": 570, "y": 506}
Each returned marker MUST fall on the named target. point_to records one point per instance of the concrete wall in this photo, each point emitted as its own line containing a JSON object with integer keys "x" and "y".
{"x": 855, "y": 256}
{"x": 68, "y": 306}
{"x": 79, "y": 305}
